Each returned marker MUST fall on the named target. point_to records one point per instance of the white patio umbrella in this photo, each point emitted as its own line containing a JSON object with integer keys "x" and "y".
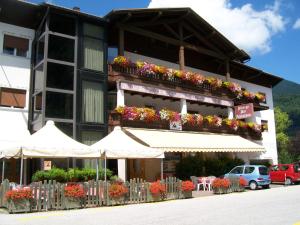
{"x": 119, "y": 145}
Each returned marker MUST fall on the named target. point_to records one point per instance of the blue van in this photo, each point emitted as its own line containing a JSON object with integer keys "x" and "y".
{"x": 256, "y": 175}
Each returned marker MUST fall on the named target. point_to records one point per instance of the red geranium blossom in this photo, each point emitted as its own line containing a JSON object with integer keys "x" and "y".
{"x": 187, "y": 185}
{"x": 74, "y": 191}
{"x": 117, "y": 190}
{"x": 156, "y": 188}
{"x": 19, "y": 194}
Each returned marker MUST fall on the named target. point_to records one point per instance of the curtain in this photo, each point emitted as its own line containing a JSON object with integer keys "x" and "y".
{"x": 93, "y": 54}
{"x": 89, "y": 138}
{"x": 92, "y": 102}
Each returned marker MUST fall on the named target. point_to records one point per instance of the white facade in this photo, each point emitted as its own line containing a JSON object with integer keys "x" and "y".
{"x": 269, "y": 137}
{"x": 14, "y": 73}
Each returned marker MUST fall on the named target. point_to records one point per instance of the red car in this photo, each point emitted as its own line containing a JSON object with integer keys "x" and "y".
{"x": 285, "y": 173}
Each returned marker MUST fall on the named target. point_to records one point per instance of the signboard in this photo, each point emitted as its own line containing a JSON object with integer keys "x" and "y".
{"x": 175, "y": 125}
{"x": 243, "y": 111}
{"x": 47, "y": 165}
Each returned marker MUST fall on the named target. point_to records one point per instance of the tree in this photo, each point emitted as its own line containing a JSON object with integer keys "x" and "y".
{"x": 282, "y": 122}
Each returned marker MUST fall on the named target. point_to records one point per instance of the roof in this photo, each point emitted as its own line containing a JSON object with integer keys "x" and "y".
{"x": 185, "y": 15}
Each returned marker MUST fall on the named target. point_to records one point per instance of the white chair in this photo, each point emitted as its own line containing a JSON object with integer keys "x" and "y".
{"x": 201, "y": 182}
{"x": 209, "y": 181}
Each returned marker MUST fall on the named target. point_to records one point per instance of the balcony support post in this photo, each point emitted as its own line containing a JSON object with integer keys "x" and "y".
{"x": 181, "y": 58}
{"x": 121, "y": 42}
{"x": 183, "y": 106}
{"x": 120, "y": 95}
{"x": 227, "y": 70}
{"x": 230, "y": 113}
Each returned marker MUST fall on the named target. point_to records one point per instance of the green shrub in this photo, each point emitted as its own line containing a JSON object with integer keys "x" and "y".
{"x": 57, "y": 174}
{"x": 40, "y": 176}
{"x": 109, "y": 174}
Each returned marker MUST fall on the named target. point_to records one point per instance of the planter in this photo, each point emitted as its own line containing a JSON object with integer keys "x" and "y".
{"x": 221, "y": 191}
{"x": 73, "y": 203}
{"x": 17, "y": 206}
{"x": 156, "y": 198}
{"x": 187, "y": 194}
{"x": 118, "y": 201}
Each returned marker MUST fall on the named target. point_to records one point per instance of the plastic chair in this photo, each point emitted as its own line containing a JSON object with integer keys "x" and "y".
{"x": 201, "y": 182}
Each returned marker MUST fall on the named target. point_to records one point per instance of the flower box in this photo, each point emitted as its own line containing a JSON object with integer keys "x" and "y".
{"x": 117, "y": 192}
{"x": 18, "y": 206}
{"x": 187, "y": 194}
{"x": 73, "y": 203}
{"x": 117, "y": 200}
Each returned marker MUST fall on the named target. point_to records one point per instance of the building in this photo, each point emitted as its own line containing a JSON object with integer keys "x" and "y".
{"x": 71, "y": 80}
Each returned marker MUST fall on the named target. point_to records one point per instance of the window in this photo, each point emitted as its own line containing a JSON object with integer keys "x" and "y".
{"x": 40, "y": 50}
{"x": 264, "y": 96}
{"x": 264, "y": 125}
{"x": 39, "y": 78}
{"x": 284, "y": 168}
{"x": 12, "y": 97}
{"x": 237, "y": 170}
{"x": 263, "y": 170}
{"x": 15, "y": 46}
{"x": 59, "y": 105}
{"x": 91, "y": 137}
{"x": 275, "y": 168}
{"x": 60, "y": 76}
{"x": 62, "y": 24}
{"x": 93, "y": 47}
{"x": 112, "y": 100}
{"x": 67, "y": 128}
{"x": 61, "y": 48}
{"x": 92, "y": 102}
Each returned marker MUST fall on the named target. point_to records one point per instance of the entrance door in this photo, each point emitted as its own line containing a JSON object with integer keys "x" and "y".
{"x": 136, "y": 168}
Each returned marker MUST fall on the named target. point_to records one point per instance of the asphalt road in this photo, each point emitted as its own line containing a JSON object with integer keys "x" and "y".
{"x": 262, "y": 207}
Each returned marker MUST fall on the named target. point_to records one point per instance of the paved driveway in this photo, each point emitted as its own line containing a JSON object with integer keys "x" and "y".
{"x": 274, "y": 206}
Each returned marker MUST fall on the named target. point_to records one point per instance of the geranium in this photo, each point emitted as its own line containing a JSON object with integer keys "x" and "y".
{"x": 122, "y": 61}
{"x": 254, "y": 126}
{"x": 117, "y": 190}
{"x": 187, "y": 186}
{"x": 188, "y": 119}
{"x": 147, "y": 114}
{"x": 214, "y": 82}
{"x": 249, "y": 95}
{"x": 178, "y": 73}
{"x": 169, "y": 115}
{"x": 19, "y": 194}
{"x": 169, "y": 75}
{"x": 243, "y": 182}
{"x": 187, "y": 76}
{"x": 232, "y": 123}
{"x": 130, "y": 113}
{"x": 74, "y": 191}
{"x": 197, "y": 79}
{"x": 260, "y": 97}
{"x": 147, "y": 69}
{"x": 243, "y": 124}
{"x": 198, "y": 119}
{"x": 221, "y": 183}
{"x": 159, "y": 69}
{"x": 157, "y": 188}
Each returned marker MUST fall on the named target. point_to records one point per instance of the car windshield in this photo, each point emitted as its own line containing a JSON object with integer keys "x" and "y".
{"x": 263, "y": 170}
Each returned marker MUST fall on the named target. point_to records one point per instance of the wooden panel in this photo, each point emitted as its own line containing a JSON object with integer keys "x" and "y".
{"x": 12, "y": 97}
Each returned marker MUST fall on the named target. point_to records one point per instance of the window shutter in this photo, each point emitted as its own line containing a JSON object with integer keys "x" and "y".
{"x": 12, "y": 97}
{"x": 16, "y": 42}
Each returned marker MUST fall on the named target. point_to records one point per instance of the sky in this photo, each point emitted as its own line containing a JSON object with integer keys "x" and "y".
{"x": 268, "y": 30}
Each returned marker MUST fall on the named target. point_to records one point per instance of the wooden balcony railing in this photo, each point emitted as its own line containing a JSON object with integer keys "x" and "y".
{"x": 115, "y": 119}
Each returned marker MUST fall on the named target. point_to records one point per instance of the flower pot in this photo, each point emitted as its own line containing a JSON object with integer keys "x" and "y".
{"x": 117, "y": 200}
{"x": 73, "y": 203}
{"x": 156, "y": 198}
{"x": 17, "y": 206}
{"x": 187, "y": 194}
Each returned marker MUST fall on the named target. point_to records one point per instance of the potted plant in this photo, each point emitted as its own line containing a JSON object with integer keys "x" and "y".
{"x": 242, "y": 184}
{"x": 74, "y": 195}
{"x": 221, "y": 186}
{"x": 158, "y": 191}
{"x": 117, "y": 192}
{"x": 19, "y": 200}
{"x": 187, "y": 187}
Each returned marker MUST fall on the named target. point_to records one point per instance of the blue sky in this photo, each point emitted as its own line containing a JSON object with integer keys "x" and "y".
{"x": 277, "y": 50}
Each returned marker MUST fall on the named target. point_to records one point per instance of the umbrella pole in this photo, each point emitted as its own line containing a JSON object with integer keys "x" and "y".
{"x": 161, "y": 169}
{"x": 105, "y": 167}
{"x": 97, "y": 168}
{"x": 21, "y": 170}
{"x": 3, "y": 167}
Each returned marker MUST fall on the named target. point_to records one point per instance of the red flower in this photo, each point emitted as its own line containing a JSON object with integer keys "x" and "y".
{"x": 221, "y": 183}
{"x": 19, "y": 194}
{"x": 74, "y": 191}
{"x": 156, "y": 188}
{"x": 187, "y": 186}
{"x": 117, "y": 190}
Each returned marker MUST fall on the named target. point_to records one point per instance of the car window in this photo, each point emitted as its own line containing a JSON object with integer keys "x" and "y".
{"x": 284, "y": 167}
{"x": 296, "y": 168}
{"x": 249, "y": 169}
{"x": 237, "y": 170}
{"x": 275, "y": 168}
{"x": 263, "y": 170}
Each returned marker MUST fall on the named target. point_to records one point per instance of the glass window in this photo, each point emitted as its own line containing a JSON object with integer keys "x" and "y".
{"x": 263, "y": 170}
{"x": 37, "y": 107}
{"x": 284, "y": 167}
{"x": 275, "y": 168}
{"x": 40, "y": 50}
{"x": 91, "y": 137}
{"x": 67, "y": 128}
{"x": 237, "y": 170}
{"x": 249, "y": 169}
{"x": 59, "y": 105}
{"x": 93, "y": 54}
{"x": 93, "y": 31}
{"x": 15, "y": 45}
{"x": 296, "y": 168}
{"x": 60, "y": 76}
{"x": 39, "y": 78}
{"x": 61, "y": 48}
{"x": 92, "y": 102}
{"x": 62, "y": 24}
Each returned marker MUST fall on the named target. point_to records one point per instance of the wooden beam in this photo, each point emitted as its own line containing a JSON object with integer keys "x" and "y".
{"x": 181, "y": 58}
{"x": 171, "y": 30}
{"x": 227, "y": 70}
{"x": 128, "y": 16}
{"x": 159, "y": 14}
{"x": 121, "y": 41}
{"x": 173, "y": 41}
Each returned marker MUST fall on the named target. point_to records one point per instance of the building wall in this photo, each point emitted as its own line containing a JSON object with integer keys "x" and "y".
{"x": 14, "y": 73}
{"x": 269, "y": 137}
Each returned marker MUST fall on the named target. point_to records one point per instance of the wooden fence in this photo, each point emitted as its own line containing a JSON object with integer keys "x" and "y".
{"x": 49, "y": 195}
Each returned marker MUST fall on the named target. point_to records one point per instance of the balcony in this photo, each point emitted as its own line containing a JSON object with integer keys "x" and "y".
{"x": 247, "y": 130}
{"x": 150, "y": 74}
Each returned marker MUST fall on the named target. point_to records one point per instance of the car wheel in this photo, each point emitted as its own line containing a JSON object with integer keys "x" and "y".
{"x": 253, "y": 185}
{"x": 288, "y": 181}
{"x": 266, "y": 186}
